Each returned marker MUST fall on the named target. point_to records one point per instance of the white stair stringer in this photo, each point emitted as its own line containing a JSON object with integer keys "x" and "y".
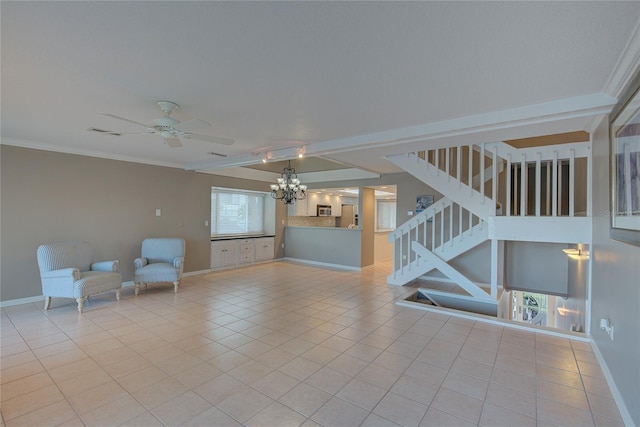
{"x": 453, "y": 274}
{"x": 420, "y": 266}
{"x": 445, "y": 229}
{"x": 440, "y": 181}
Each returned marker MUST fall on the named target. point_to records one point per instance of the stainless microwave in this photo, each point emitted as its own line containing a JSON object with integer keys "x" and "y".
{"x": 323, "y": 210}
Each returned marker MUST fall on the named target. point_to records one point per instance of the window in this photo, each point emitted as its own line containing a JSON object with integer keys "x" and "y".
{"x": 386, "y": 215}
{"x": 237, "y": 212}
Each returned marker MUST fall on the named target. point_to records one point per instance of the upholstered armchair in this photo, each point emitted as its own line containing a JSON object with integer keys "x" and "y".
{"x": 67, "y": 270}
{"x": 162, "y": 260}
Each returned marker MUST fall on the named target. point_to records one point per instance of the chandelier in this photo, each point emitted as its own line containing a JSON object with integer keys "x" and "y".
{"x": 288, "y": 187}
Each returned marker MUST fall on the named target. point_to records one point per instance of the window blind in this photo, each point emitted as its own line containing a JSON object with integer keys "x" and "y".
{"x": 236, "y": 212}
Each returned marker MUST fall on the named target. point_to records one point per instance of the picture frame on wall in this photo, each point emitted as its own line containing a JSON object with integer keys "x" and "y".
{"x": 624, "y": 156}
{"x": 423, "y": 202}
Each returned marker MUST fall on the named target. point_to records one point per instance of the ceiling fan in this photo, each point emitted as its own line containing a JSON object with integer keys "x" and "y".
{"x": 170, "y": 129}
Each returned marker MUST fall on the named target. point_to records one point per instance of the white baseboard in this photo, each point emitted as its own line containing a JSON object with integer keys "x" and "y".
{"x": 40, "y": 298}
{"x": 20, "y": 301}
{"x": 321, "y": 264}
{"x": 624, "y": 412}
{"x": 195, "y": 273}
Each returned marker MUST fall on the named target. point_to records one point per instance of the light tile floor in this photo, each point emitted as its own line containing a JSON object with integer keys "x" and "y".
{"x": 284, "y": 344}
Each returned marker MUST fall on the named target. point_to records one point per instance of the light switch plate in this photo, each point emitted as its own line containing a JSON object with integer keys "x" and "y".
{"x": 158, "y": 212}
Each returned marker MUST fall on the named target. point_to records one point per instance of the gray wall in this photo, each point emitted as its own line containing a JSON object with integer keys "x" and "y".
{"x": 339, "y": 246}
{"x": 615, "y": 286}
{"x": 49, "y": 197}
{"x": 537, "y": 267}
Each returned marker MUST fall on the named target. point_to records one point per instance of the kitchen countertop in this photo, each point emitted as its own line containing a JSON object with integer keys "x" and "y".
{"x": 215, "y": 239}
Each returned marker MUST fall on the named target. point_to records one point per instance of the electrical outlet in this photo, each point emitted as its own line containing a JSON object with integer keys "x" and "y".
{"x": 606, "y": 327}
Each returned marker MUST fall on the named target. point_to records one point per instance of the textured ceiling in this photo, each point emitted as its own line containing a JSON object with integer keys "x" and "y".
{"x": 272, "y": 75}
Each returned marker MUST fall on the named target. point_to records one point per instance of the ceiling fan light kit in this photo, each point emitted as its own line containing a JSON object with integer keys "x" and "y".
{"x": 172, "y": 130}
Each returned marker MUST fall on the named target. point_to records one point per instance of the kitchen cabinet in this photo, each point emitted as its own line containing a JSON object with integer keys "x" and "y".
{"x": 336, "y": 205}
{"x": 264, "y": 248}
{"x": 301, "y": 207}
{"x": 239, "y": 252}
{"x": 224, "y": 253}
{"x": 245, "y": 255}
{"x": 298, "y": 208}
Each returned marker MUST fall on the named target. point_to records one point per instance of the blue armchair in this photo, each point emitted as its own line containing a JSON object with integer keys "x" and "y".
{"x": 162, "y": 260}
{"x": 67, "y": 270}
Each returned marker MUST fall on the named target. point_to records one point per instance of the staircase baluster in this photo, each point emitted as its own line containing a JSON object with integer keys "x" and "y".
{"x": 451, "y": 224}
{"x": 508, "y": 193}
{"x": 460, "y": 229}
{"x": 516, "y": 193}
{"x": 554, "y": 209}
{"x": 548, "y": 195}
{"x": 560, "y": 197}
{"x": 523, "y": 185}
{"x": 538, "y": 194}
{"x": 447, "y": 158}
{"x": 433, "y": 232}
{"x": 426, "y": 223}
{"x": 494, "y": 178}
{"x": 459, "y": 165}
{"x": 471, "y": 170}
{"x": 572, "y": 179}
{"x": 589, "y": 180}
{"x": 442, "y": 227}
{"x": 482, "y": 163}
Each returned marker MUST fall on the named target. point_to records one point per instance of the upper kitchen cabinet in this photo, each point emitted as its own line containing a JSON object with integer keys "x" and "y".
{"x": 299, "y": 207}
{"x": 336, "y": 205}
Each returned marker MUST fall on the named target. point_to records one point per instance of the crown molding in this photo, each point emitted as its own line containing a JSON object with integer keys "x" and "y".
{"x": 90, "y": 153}
{"x": 626, "y": 66}
{"x": 537, "y": 114}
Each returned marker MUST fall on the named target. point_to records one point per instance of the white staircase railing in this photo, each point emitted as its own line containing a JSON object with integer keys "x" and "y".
{"x": 481, "y": 182}
{"x": 446, "y": 229}
{"x": 535, "y": 181}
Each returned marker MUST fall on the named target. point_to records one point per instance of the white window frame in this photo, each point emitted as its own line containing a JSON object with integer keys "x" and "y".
{"x": 247, "y": 232}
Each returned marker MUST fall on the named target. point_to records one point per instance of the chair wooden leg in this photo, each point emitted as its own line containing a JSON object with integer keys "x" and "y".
{"x": 80, "y": 304}
{"x": 175, "y": 286}
{"x": 47, "y": 303}
{"x": 137, "y": 291}
{"x": 118, "y": 294}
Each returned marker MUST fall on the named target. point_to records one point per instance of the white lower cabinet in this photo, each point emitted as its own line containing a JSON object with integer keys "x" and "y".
{"x": 224, "y": 253}
{"x": 263, "y": 248}
{"x": 239, "y": 252}
{"x": 246, "y": 251}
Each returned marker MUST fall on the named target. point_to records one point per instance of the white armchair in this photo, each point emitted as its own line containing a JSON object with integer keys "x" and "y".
{"x": 162, "y": 260}
{"x": 67, "y": 270}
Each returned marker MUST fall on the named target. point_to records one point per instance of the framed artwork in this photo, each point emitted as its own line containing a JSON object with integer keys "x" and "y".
{"x": 624, "y": 156}
{"x": 423, "y": 202}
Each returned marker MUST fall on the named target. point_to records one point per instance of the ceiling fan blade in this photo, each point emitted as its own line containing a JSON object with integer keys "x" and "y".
{"x": 191, "y": 125}
{"x": 173, "y": 142}
{"x": 209, "y": 138}
{"x": 122, "y": 118}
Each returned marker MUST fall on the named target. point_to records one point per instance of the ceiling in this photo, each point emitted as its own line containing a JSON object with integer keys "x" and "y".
{"x": 349, "y": 82}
